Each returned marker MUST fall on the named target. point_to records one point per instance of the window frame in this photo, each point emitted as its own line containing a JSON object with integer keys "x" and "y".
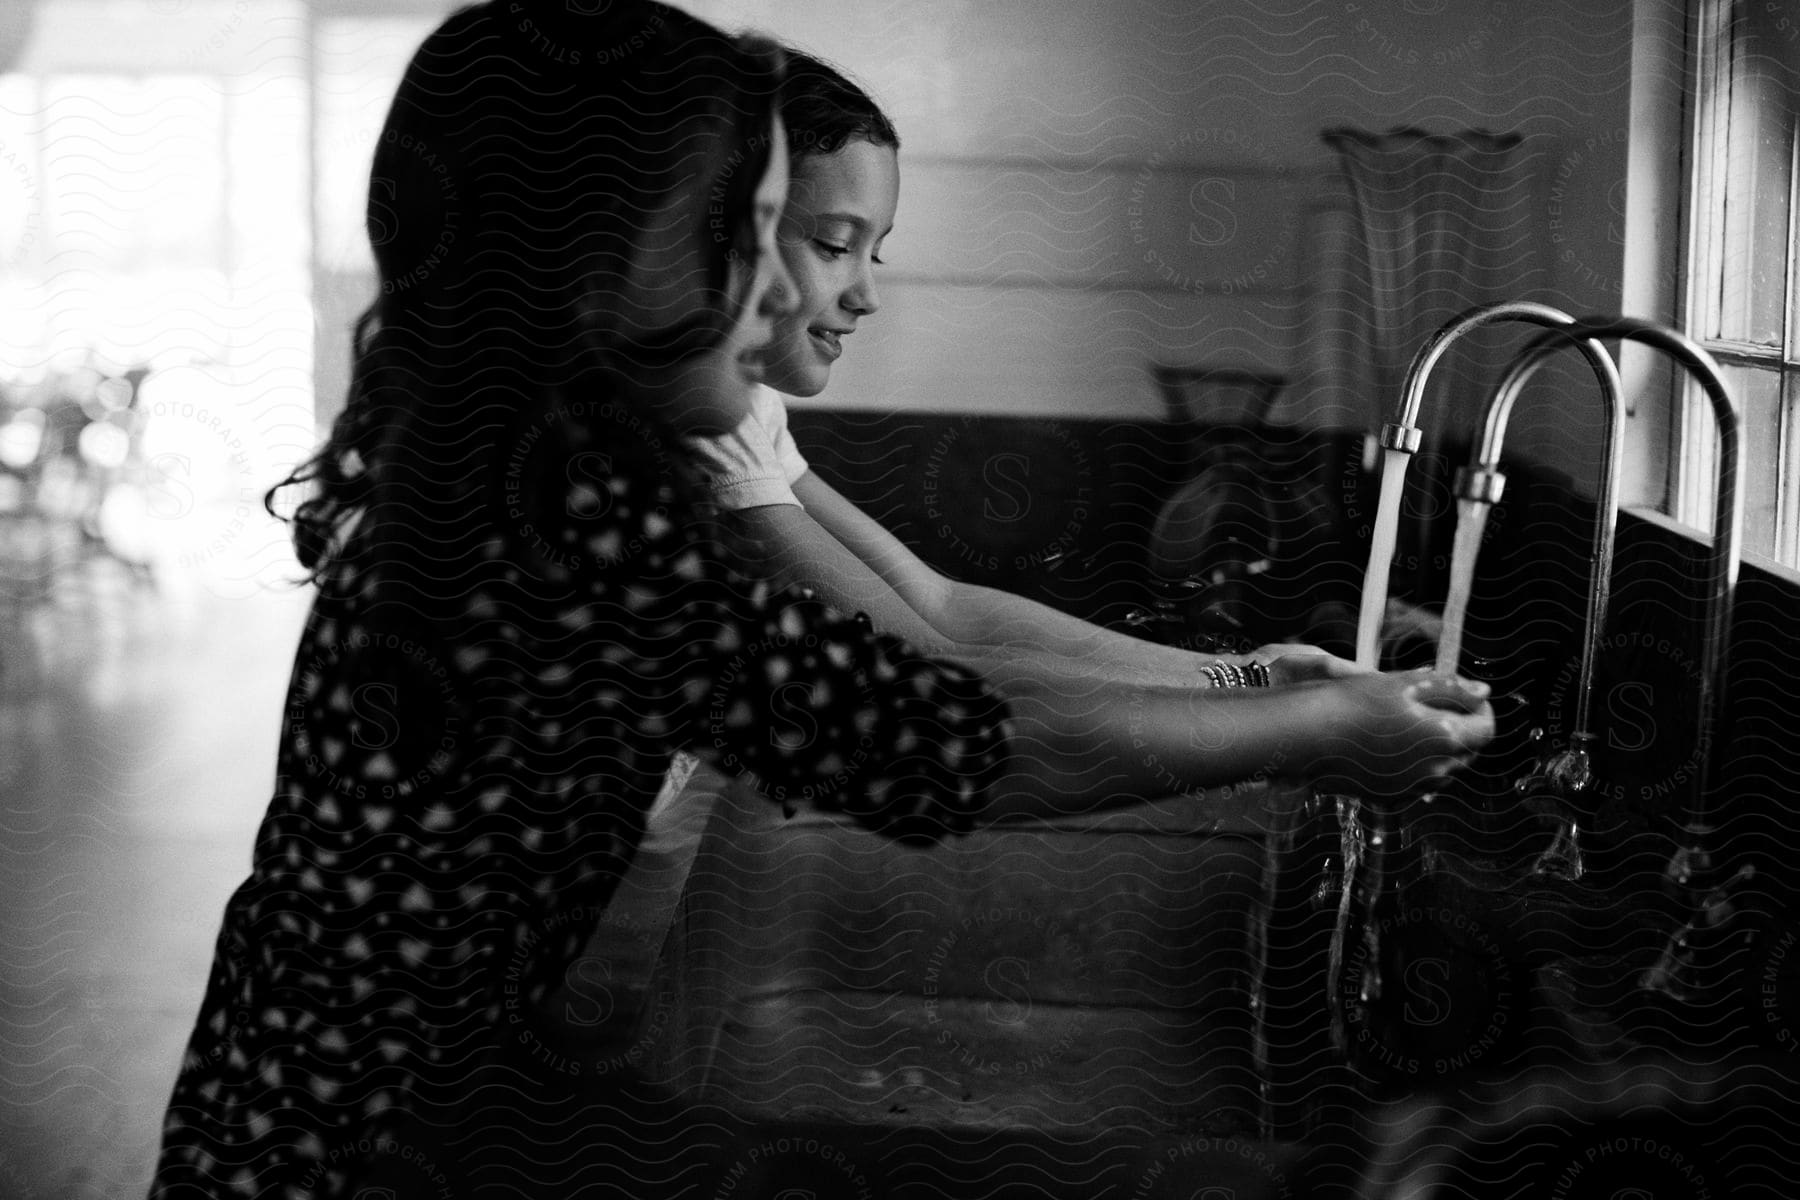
{"x": 1708, "y": 141}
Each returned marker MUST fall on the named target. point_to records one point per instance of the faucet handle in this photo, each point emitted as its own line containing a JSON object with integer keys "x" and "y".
{"x": 1690, "y": 952}
{"x": 1562, "y": 858}
{"x": 1691, "y": 868}
{"x": 1567, "y": 772}
{"x": 1556, "y": 779}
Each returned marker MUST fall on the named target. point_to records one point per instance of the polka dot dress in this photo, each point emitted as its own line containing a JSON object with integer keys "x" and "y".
{"x": 470, "y": 743}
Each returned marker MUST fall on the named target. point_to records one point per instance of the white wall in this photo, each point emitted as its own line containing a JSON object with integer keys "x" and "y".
{"x": 1092, "y": 186}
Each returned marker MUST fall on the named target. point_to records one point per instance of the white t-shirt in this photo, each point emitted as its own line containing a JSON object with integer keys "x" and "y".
{"x": 756, "y": 463}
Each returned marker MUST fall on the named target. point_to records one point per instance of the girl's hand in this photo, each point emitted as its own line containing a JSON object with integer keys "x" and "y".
{"x": 1391, "y": 735}
{"x": 1296, "y": 662}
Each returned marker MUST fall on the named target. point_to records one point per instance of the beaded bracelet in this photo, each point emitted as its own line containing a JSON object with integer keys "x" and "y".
{"x": 1228, "y": 675}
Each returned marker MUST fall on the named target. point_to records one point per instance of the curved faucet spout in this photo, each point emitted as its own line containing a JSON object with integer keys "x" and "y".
{"x": 1688, "y": 866}
{"x": 1483, "y": 482}
{"x": 1401, "y": 438}
{"x": 1418, "y": 373}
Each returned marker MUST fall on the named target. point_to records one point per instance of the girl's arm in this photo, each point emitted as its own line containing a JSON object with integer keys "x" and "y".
{"x": 816, "y": 707}
{"x": 969, "y": 616}
{"x": 1378, "y": 735}
{"x": 1083, "y": 740}
{"x": 1077, "y": 744}
{"x": 968, "y": 619}
{"x": 796, "y": 551}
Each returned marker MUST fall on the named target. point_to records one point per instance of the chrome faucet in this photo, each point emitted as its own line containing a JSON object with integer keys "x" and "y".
{"x": 1403, "y": 436}
{"x": 1553, "y": 904}
{"x": 1691, "y": 872}
{"x": 1691, "y": 865}
{"x": 1567, "y": 772}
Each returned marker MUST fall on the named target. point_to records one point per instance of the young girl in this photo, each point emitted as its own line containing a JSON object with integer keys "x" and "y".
{"x": 519, "y": 616}
{"x": 1094, "y": 687}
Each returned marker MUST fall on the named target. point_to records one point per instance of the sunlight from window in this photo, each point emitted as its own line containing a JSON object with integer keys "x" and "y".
{"x": 1744, "y": 241}
{"x": 162, "y": 207}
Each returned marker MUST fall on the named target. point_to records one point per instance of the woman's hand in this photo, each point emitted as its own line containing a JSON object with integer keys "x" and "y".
{"x": 1390, "y": 735}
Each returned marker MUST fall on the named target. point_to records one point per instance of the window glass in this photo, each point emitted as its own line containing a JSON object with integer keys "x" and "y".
{"x": 1758, "y": 178}
{"x": 1758, "y": 393}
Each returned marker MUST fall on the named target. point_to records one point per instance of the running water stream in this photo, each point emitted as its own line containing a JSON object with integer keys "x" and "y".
{"x": 1381, "y": 559}
{"x": 1471, "y": 522}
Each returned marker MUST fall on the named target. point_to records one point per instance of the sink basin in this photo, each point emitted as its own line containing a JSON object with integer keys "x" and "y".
{"x": 1044, "y": 1010}
{"x": 1087, "y": 974}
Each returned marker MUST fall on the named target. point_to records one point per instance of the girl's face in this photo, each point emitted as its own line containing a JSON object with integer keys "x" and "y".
{"x": 839, "y": 210}
{"x": 710, "y": 393}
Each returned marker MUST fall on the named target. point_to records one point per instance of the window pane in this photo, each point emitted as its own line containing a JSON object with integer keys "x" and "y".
{"x": 135, "y": 179}
{"x": 1758, "y": 177}
{"x": 222, "y": 39}
{"x": 21, "y": 189}
{"x": 360, "y": 61}
{"x": 1758, "y": 393}
{"x": 265, "y": 174}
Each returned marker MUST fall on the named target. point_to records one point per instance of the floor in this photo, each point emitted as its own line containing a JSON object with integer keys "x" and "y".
{"x": 138, "y": 723}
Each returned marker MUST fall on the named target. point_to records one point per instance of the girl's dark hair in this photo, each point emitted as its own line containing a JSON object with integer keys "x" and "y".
{"x": 823, "y": 109}
{"x": 519, "y": 212}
